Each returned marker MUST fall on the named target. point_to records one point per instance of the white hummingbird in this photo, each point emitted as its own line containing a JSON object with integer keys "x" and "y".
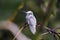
{"x": 31, "y": 20}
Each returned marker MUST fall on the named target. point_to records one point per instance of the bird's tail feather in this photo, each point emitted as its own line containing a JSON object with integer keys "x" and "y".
{"x": 33, "y": 29}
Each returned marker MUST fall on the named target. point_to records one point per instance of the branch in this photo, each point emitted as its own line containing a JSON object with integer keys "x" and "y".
{"x": 23, "y": 27}
{"x": 13, "y": 28}
{"x": 49, "y": 30}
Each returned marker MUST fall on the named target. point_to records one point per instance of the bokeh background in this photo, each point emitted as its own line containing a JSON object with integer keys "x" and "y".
{"x": 13, "y": 10}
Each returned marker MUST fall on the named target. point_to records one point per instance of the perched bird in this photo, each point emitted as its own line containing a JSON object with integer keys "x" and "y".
{"x": 31, "y": 20}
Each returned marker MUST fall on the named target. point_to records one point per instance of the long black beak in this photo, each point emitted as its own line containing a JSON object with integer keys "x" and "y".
{"x": 24, "y": 11}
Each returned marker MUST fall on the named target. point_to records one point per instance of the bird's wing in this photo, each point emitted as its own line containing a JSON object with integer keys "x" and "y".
{"x": 32, "y": 24}
{"x": 32, "y": 21}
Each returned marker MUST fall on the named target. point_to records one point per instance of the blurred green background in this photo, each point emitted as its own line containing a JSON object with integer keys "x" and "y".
{"x": 13, "y": 10}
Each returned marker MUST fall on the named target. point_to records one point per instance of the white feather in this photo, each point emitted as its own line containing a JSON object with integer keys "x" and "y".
{"x": 31, "y": 20}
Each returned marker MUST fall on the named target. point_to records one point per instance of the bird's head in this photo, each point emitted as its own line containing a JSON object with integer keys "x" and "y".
{"x": 29, "y": 13}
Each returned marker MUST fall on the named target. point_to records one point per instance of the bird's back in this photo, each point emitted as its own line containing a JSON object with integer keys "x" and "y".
{"x": 31, "y": 19}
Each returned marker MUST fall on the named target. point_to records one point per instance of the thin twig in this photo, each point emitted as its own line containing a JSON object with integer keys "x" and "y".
{"x": 13, "y": 28}
{"x": 44, "y": 33}
{"x": 23, "y": 27}
{"x": 18, "y": 33}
